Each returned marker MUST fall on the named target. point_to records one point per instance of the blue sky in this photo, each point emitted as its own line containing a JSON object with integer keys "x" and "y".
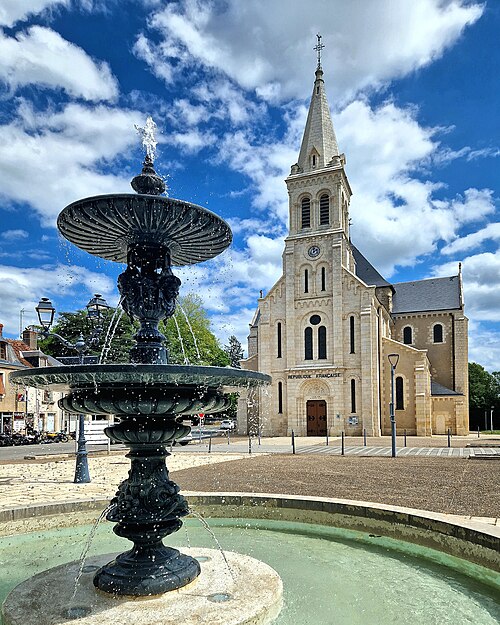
{"x": 413, "y": 88}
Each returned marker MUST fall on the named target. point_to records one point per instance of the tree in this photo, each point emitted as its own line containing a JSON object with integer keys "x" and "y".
{"x": 234, "y": 352}
{"x": 189, "y": 337}
{"x": 484, "y": 392}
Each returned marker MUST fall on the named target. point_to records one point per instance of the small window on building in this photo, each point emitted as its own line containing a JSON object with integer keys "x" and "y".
{"x": 2, "y": 385}
{"x": 353, "y": 395}
{"x": 322, "y": 343}
{"x": 324, "y": 210}
{"x": 438, "y": 333}
{"x": 278, "y": 332}
{"x": 280, "y": 397}
{"x": 306, "y": 213}
{"x": 308, "y": 344}
{"x": 314, "y": 320}
{"x": 351, "y": 333}
{"x": 306, "y": 281}
{"x": 323, "y": 278}
{"x": 314, "y": 160}
{"x": 407, "y": 336}
{"x": 3, "y": 351}
{"x": 400, "y": 403}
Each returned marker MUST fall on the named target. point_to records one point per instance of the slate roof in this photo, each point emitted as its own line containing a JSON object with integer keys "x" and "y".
{"x": 366, "y": 271}
{"x": 439, "y": 389}
{"x": 426, "y": 295}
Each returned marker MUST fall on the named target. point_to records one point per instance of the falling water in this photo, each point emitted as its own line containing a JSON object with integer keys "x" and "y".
{"x": 191, "y": 330}
{"x": 86, "y": 548}
{"x": 206, "y": 526}
{"x": 113, "y": 325}
{"x": 186, "y": 359}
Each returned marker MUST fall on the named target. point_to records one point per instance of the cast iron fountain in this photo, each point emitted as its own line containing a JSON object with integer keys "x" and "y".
{"x": 150, "y": 232}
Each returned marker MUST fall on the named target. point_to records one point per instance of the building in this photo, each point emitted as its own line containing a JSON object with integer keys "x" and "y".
{"x": 21, "y": 408}
{"x": 325, "y": 329}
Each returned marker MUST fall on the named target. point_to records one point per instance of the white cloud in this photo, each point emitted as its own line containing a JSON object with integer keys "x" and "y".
{"x": 14, "y": 235}
{"x": 40, "y": 56}
{"x": 484, "y": 346}
{"x": 22, "y": 287}
{"x": 12, "y": 11}
{"x": 491, "y": 232}
{"x": 60, "y": 156}
{"x": 367, "y": 44}
{"x": 481, "y": 278}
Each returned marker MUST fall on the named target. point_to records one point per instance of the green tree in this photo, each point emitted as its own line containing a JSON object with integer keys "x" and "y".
{"x": 234, "y": 351}
{"x": 484, "y": 392}
{"x": 189, "y": 337}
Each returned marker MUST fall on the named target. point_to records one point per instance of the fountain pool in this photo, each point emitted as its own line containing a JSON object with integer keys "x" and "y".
{"x": 329, "y": 574}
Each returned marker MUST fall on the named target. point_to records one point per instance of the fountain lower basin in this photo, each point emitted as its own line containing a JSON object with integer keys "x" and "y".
{"x": 352, "y": 562}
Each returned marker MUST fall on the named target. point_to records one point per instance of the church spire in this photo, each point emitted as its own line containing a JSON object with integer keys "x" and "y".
{"x": 319, "y": 144}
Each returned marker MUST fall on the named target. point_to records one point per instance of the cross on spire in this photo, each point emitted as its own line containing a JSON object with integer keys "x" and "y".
{"x": 318, "y": 47}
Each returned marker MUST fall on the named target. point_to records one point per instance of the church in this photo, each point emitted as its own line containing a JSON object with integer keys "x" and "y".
{"x": 326, "y": 329}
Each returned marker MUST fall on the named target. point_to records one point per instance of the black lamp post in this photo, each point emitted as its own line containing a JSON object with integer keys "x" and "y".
{"x": 46, "y": 311}
{"x": 393, "y": 360}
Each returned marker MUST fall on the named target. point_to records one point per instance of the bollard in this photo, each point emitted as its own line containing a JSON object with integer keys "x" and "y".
{"x": 249, "y": 444}
{"x": 405, "y": 438}
{"x": 228, "y": 441}
{"x": 364, "y": 437}
{"x": 210, "y": 444}
{"x": 293, "y": 442}
{"x": 259, "y": 435}
{"x": 449, "y": 437}
{"x": 343, "y": 443}
{"x": 327, "y": 437}
{"x": 478, "y": 431}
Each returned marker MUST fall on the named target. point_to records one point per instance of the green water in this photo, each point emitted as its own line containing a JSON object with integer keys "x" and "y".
{"x": 330, "y": 576}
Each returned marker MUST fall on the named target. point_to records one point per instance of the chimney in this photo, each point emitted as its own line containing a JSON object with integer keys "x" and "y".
{"x": 1, "y": 329}
{"x": 30, "y": 337}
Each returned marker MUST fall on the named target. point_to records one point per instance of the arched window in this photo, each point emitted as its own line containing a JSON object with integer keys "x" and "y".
{"x": 351, "y": 333}
{"x": 322, "y": 343}
{"x": 323, "y": 279}
{"x": 314, "y": 160}
{"x": 278, "y": 333}
{"x": 306, "y": 281}
{"x": 438, "y": 333}
{"x": 324, "y": 210}
{"x": 353, "y": 395}
{"x": 407, "y": 336}
{"x": 280, "y": 397}
{"x": 308, "y": 344}
{"x": 400, "y": 402}
{"x": 306, "y": 212}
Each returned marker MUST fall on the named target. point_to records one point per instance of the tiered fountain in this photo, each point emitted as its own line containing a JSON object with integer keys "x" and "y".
{"x": 150, "y": 232}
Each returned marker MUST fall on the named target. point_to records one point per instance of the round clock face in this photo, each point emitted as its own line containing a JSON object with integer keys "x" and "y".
{"x": 314, "y": 251}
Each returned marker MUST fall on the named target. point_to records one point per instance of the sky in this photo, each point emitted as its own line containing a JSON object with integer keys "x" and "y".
{"x": 413, "y": 89}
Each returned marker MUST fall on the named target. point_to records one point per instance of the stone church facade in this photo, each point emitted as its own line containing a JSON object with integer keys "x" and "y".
{"x": 325, "y": 329}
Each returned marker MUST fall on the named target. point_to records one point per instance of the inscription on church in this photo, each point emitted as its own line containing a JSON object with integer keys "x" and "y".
{"x": 294, "y": 376}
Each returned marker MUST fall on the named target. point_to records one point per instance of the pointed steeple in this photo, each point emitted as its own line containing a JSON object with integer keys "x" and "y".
{"x": 319, "y": 144}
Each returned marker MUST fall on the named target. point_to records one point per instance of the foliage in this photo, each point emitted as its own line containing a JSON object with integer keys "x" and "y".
{"x": 71, "y": 325}
{"x": 484, "y": 393}
{"x": 234, "y": 352}
{"x": 188, "y": 334}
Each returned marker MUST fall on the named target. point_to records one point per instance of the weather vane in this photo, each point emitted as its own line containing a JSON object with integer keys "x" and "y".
{"x": 318, "y": 47}
{"x": 148, "y": 137}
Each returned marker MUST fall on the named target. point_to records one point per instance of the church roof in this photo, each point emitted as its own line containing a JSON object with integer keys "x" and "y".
{"x": 319, "y": 137}
{"x": 366, "y": 271}
{"x": 439, "y": 389}
{"x": 425, "y": 295}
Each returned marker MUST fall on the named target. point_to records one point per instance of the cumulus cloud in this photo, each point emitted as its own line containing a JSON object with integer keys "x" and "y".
{"x": 22, "y": 287}
{"x": 40, "y": 56}
{"x": 14, "y": 235}
{"x": 491, "y": 232}
{"x": 64, "y": 153}
{"x": 11, "y": 11}
{"x": 367, "y": 44}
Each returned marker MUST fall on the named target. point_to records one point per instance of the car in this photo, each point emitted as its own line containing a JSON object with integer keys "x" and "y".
{"x": 227, "y": 425}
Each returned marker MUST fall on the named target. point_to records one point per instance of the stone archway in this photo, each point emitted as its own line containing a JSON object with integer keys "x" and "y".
{"x": 315, "y": 404}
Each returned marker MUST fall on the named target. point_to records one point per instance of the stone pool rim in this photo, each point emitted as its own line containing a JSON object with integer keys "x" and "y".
{"x": 469, "y": 540}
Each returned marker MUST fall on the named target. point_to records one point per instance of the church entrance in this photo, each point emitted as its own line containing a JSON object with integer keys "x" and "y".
{"x": 316, "y": 417}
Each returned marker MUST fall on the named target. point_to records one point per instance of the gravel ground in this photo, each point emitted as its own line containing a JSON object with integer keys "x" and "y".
{"x": 449, "y": 485}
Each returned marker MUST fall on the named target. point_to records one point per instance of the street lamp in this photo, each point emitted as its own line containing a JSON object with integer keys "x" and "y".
{"x": 393, "y": 360}
{"x": 46, "y": 311}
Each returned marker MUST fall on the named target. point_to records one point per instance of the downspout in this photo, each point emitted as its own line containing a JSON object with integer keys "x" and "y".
{"x": 453, "y": 349}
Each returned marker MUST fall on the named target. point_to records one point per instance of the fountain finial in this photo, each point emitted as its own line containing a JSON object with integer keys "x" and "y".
{"x": 148, "y": 182}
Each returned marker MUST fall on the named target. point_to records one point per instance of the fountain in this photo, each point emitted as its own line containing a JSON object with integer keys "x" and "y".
{"x": 149, "y": 232}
